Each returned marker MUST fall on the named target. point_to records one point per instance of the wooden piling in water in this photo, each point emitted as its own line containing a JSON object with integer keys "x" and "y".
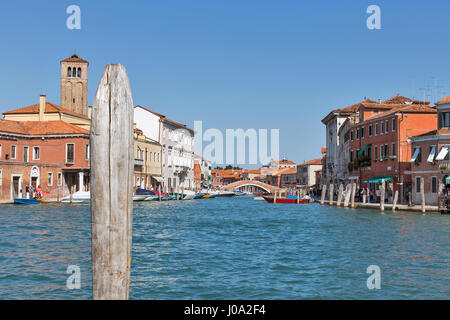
{"x": 324, "y": 190}
{"x": 298, "y": 197}
{"x": 111, "y": 140}
{"x": 422, "y": 194}
{"x": 382, "y": 195}
{"x": 341, "y": 190}
{"x": 348, "y": 192}
{"x": 331, "y": 194}
{"x": 394, "y": 204}
{"x": 353, "y": 194}
{"x": 275, "y": 197}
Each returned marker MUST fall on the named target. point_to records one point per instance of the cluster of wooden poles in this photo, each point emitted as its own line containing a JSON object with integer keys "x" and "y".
{"x": 349, "y": 195}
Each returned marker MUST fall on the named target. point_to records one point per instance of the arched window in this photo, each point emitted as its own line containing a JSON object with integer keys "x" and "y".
{"x": 74, "y": 72}
{"x": 79, "y": 73}
{"x": 69, "y": 72}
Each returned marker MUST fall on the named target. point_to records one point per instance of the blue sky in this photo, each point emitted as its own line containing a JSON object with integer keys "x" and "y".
{"x": 233, "y": 64}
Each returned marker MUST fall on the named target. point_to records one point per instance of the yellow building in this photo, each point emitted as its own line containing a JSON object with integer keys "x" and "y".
{"x": 147, "y": 162}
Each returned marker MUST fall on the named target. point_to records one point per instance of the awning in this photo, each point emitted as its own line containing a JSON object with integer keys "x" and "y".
{"x": 360, "y": 152}
{"x": 432, "y": 154}
{"x": 353, "y": 178}
{"x": 378, "y": 179}
{"x": 415, "y": 155}
{"x": 447, "y": 180}
{"x": 442, "y": 154}
{"x": 159, "y": 179}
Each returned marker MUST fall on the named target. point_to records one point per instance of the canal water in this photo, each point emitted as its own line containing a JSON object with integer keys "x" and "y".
{"x": 232, "y": 248}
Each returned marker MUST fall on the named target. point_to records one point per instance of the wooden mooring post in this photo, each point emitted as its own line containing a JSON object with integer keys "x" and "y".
{"x": 111, "y": 140}
{"x": 353, "y": 194}
{"x": 324, "y": 191}
{"x": 394, "y": 204}
{"x": 331, "y": 194}
{"x": 422, "y": 194}
{"x": 341, "y": 190}
{"x": 348, "y": 192}
{"x": 382, "y": 194}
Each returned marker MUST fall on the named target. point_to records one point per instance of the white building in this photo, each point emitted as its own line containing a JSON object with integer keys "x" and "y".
{"x": 177, "y": 142}
{"x": 306, "y": 172}
{"x": 335, "y": 169}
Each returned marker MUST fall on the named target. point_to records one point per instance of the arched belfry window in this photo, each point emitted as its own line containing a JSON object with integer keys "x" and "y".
{"x": 79, "y": 73}
{"x": 69, "y": 72}
{"x": 74, "y": 72}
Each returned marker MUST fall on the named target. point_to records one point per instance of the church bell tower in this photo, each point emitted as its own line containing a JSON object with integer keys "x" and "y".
{"x": 74, "y": 84}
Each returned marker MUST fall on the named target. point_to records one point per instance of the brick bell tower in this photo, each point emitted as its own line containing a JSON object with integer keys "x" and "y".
{"x": 74, "y": 84}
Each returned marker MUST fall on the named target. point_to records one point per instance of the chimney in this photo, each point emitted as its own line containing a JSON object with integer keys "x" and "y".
{"x": 42, "y": 103}
{"x": 379, "y": 100}
{"x": 89, "y": 112}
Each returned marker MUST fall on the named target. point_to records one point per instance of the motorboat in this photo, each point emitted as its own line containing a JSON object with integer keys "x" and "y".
{"x": 77, "y": 197}
{"x": 186, "y": 195}
{"x": 258, "y": 198}
{"x": 287, "y": 199}
{"x": 239, "y": 193}
{"x": 25, "y": 201}
{"x": 226, "y": 194}
{"x": 199, "y": 195}
{"x": 143, "y": 195}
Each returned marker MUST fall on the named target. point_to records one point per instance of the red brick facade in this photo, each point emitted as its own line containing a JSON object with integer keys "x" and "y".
{"x": 40, "y": 159}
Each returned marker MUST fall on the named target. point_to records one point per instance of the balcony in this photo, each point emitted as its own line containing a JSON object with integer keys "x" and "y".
{"x": 138, "y": 162}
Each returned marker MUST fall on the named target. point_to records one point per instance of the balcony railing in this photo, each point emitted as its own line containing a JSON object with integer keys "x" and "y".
{"x": 138, "y": 162}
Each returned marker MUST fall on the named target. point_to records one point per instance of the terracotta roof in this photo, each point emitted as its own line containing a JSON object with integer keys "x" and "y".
{"x": 398, "y": 99}
{"x": 355, "y": 107}
{"x": 49, "y": 108}
{"x": 12, "y": 127}
{"x": 409, "y": 108}
{"x": 52, "y": 127}
{"x": 253, "y": 171}
{"x": 40, "y": 128}
{"x": 74, "y": 58}
{"x": 311, "y": 162}
{"x": 444, "y": 100}
{"x": 282, "y": 171}
{"x": 285, "y": 162}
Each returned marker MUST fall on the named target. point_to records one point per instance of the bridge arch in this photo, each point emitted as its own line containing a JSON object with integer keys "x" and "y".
{"x": 243, "y": 183}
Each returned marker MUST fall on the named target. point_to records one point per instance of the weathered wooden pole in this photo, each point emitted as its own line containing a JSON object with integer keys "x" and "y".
{"x": 394, "y": 204}
{"x": 112, "y": 166}
{"x": 275, "y": 197}
{"x": 341, "y": 190}
{"x": 324, "y": 191}
{"x": 298, "y": 197}
{"x": 353, "y": 194}
{"x": 382, "y": 194}
{"x": 422, "y": 194}
{"x": 159, "y": 191}
{"x": 331, "y": 194}
{"x": 348, "y": 192}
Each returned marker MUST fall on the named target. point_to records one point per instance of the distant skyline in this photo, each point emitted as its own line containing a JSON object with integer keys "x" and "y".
{"x": 234, "y": 64}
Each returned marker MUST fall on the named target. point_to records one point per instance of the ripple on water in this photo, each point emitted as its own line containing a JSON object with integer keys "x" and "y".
{"x": 232, "y": 248}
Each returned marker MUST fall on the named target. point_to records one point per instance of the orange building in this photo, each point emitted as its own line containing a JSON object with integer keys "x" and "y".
{"x": 52, "y": 154}
{"x": 380, "y": 144}
{"x": 430, "y": 158}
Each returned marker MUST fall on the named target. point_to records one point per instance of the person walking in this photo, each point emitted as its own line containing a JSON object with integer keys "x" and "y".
{"x": 368, "y": 195}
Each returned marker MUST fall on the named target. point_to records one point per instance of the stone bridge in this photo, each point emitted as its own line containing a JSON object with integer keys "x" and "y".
{"x": 248, "y": 183}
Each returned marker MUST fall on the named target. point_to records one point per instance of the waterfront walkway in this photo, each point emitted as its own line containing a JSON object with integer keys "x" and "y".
{"x": 388, "y": 206}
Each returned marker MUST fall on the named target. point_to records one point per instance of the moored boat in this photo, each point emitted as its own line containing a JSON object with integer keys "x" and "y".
{"x": 25, "y": 201}
{"x": 288, "y": 199}
{"x": 77, "y": 197}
